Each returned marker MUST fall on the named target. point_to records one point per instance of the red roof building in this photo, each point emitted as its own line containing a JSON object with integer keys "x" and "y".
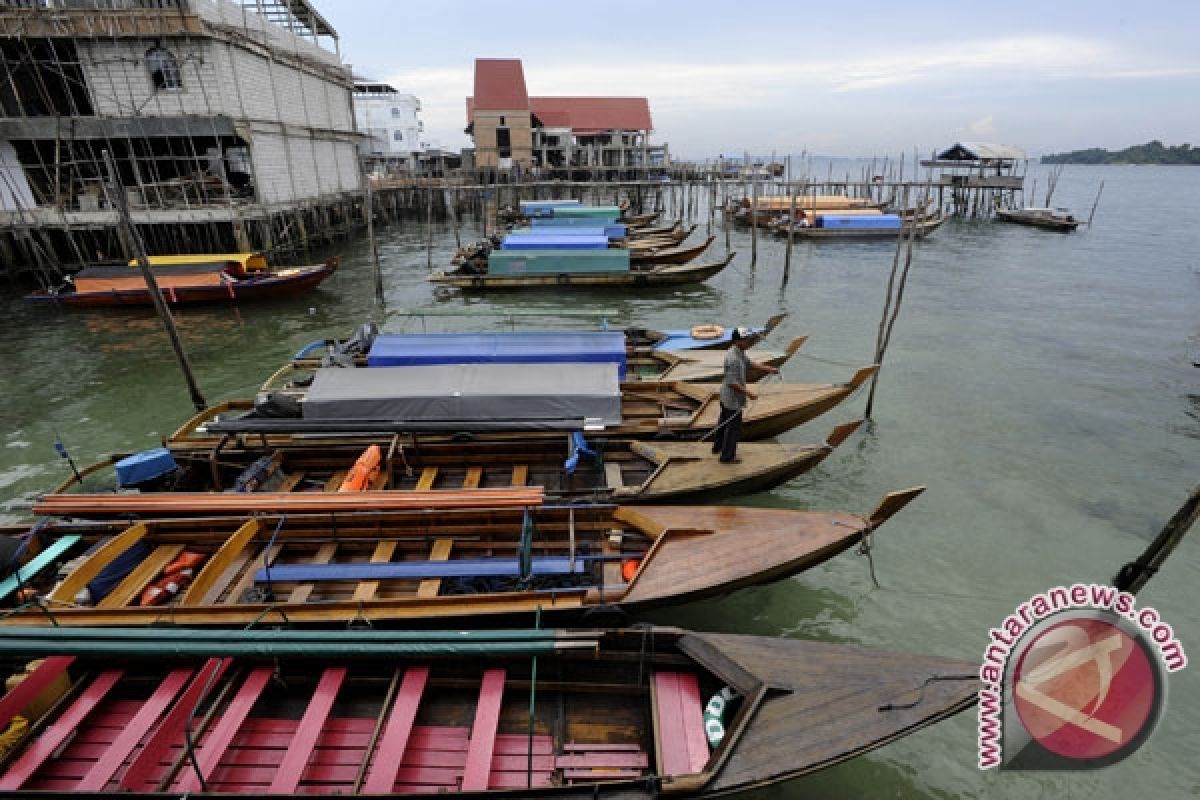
{"x": 512, "y": 129}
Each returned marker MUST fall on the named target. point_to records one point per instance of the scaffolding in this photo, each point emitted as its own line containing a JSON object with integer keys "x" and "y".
{"x": 230, "y": 124}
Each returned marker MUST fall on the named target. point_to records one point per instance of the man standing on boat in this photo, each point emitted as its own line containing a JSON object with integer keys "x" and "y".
{"x": 734, "y": 394}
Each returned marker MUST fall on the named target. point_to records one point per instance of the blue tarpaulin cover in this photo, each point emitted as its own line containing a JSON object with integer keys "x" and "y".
{"x": 144, "y": 466}
{"x": 611, "y": 231}
{"x": 553, "y": 241}
{"x": 865, "y": 222}
{"x": 530, "y": 347}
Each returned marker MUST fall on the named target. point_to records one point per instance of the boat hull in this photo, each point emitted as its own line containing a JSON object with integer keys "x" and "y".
{"x": 669, "y": 275}
{"x": 275, "y": 286}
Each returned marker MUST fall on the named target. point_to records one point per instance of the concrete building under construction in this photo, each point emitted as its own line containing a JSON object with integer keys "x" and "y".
{"x": 230, "y": 123}
{"x": 556, "y": 136}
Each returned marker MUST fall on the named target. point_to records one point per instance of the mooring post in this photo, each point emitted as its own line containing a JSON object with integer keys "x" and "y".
{"x": 121, "y": 203}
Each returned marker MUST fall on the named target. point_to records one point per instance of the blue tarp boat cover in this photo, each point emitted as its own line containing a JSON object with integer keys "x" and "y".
{"x": 611, "y": 231}
{"x": 553, "y": 241}
{"x": 532, "y": 347}
{"x": 559, "y": 222}
{"x": 859, "y": 223}
{"x": 682, "y": 339}
{"x": 465, "y": 392}
{"x": 144, "y": 466}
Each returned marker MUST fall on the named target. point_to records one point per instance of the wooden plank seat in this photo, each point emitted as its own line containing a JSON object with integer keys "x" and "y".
{"x": 678, "y": 723}
{"x": 483, "y": 733}
{"x": 583, "y": 761}
{"x": 459, "y": 568}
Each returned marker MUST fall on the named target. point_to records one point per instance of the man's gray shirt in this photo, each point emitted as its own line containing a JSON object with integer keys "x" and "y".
{"x": 735, "y": 373}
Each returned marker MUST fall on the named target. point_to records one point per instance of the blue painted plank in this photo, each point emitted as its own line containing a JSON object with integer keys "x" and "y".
{"x": 37, "y": 564}
{"x": 461, "y": 568}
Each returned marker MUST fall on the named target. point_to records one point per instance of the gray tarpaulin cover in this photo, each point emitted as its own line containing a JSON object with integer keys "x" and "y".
{"x": 467, "y": 392}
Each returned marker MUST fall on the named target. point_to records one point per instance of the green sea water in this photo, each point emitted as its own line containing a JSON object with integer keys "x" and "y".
{"x": 1040, "y": 385}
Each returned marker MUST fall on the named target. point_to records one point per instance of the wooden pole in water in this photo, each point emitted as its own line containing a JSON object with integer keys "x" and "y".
{"x": 886, "y": 321}
{"x": 1096, "y": 203}
{"x": 371, "y": 243}
{"x": 787, "y": 259}
{"x": 121, "y": 203}
{"x": 429, "y": 224}
{"x": 753, "y": 218}
{"x": 1136, "y": 574}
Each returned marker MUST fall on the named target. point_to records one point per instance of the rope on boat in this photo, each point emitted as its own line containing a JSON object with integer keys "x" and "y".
{"x": 864, "y": 549}
{"x": 921, "y": 691}
{"x": 188, "y": 744}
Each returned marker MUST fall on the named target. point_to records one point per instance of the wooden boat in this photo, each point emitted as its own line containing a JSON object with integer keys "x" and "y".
{"x": 668, "y": 255}
{"x": 924, "y": 227}
{"x": 440, "y": 558}
{"x": 659, "y": 230}
{"x": 618, "y": 714}
{"x": 697, "y": 337}
{"x": 568, "y": 469}
{"x": 1045, "y": 218}
{"x": 640, "y": 275}
{"x": 674, "y": 233}
{"x": 642, "y": 362}
{"x": 640, "y": 220}
{"x": 185, "y": 280}
{"x": 648, "y": 410}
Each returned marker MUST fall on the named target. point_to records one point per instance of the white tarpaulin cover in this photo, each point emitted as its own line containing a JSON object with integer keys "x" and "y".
{"x": 467, "y": 392}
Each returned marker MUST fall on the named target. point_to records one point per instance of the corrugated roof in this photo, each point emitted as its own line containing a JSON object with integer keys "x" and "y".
{"x": 596, "y": 113}
{"x": 982, "y": 151}
{"x": 499, "y": 85}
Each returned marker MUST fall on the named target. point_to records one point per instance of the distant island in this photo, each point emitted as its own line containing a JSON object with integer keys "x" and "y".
{"x": 1149, "y": 153}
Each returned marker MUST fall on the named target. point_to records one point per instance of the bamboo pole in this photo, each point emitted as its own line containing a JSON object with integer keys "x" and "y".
{"x": 787, "y": 259}
{"x": 1096, "y": 203}
{"x": 121, "y": 203}
{"x": 378, "y": 273}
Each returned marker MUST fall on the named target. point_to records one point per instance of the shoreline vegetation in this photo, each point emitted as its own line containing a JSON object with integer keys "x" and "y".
{"x": 1154, "y": 152}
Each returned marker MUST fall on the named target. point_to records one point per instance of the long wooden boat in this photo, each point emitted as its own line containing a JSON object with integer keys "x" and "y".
{"x": 697, "y": 337}
{"x": 646, "y": 365}
{"x": 640, "y": 220}
{"x": 1045, "y": 218}
{"x": 653, "y": 274}
{"x": 675, "y": 233}
{"x": 616, "y": 714}
{"x": 924, "y": 227}
{"x": 429, "y": 562}
{"x": 649, "y": 410}
{"x": 183, "y": 284}
{"x": 668, "y": 255}
{"x": 568, "y": 469}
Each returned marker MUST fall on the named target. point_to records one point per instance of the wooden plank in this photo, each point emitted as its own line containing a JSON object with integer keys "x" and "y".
{"x": 53, "y": 737}
{"x": 390, "y": 752}
{"x": 215, "y": 567}
{"x": 335, "y": 480}
{"x": 38, "y": 563}
{"x": 14, "y": 702}
{"x": 291, "y": 481}
{"x": 439, "y": 552}
{"x": 83, "y": 575}
{"x": 520, "y": 474}
{"x": 612, "y": 475}
{"x": 366, "y": 589}
{"x": 246, "y": 568}
{"x": 210, "y": 752}
{"x": 473, "y": 477}
{"x": 323, "y": 556}
{"x": 300, "y": 750}
{"x": 679, "y": 728}
{"x": 114, "y": 755}
{"x": 483, "y": 731}
{"x": 428, "y": 476}
{"x": 155, "y": 752}
{"x": 142, "y": 574}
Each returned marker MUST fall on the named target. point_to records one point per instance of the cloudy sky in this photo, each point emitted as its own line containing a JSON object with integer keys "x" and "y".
{"x": 837, "y": 78}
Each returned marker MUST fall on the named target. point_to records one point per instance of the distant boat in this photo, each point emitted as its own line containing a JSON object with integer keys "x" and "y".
{"x": 558, "y": 269}
{"x": 832, "y": 225}
{"x": 553, "y": 714}
{"x": 1048, "y": 219}
{"x": 185, "y": 280}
